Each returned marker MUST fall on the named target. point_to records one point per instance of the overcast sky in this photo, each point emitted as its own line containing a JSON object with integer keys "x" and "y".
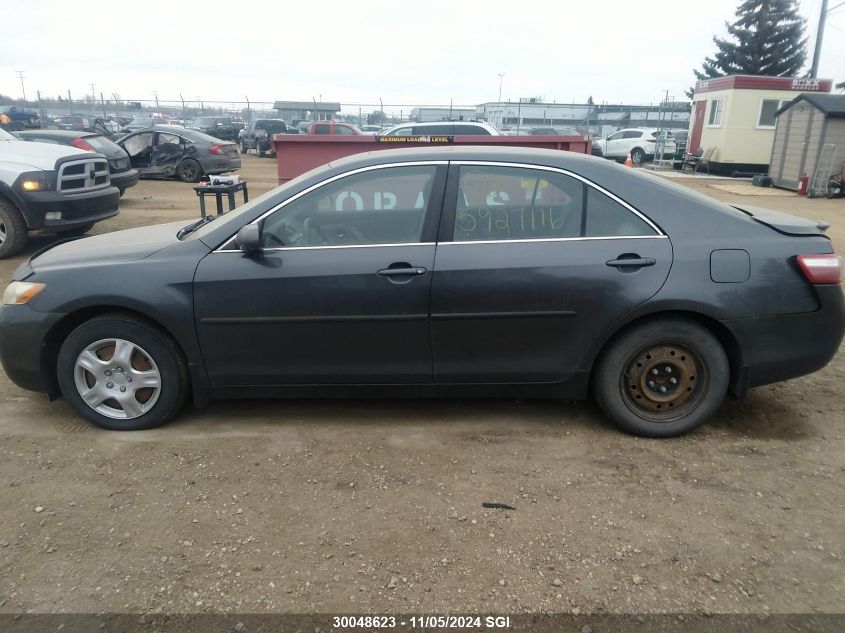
{"x": 404, "y": 52}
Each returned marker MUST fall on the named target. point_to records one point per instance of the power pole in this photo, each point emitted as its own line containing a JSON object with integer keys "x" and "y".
{"x": 21, "y": 76}
{"x": 817, "y": 51}
{"x": 93, "y": 93}
{"x": 155, "y": 93}
{"x": 501, "y": 77}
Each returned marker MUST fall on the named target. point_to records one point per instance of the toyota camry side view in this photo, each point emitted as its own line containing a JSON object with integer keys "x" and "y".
{"x": 448, "y": 271}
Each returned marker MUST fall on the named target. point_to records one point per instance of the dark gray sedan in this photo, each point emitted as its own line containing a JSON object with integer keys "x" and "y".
{"x": 165, "y": 151}
{"x": 456, "y": 271}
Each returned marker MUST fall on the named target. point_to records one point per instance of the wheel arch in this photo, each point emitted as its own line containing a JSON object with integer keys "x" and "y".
{"x": 738, "y": 373}
{"x": 62, "y": 328}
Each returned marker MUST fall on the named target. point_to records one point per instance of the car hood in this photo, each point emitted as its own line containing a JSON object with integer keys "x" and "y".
{"x": 35, "y": 155}
{"x": 120, "y": 246}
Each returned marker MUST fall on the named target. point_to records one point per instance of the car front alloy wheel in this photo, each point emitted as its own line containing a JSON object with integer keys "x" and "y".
{"x": 122, "y": 373}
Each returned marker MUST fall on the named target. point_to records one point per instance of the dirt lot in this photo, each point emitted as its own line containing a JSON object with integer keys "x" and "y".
{"x": 359, "y": 506}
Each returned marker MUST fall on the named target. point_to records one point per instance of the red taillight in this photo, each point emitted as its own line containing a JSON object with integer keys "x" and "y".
{"x": 82, "y": 144}
{"x": 216, "y": 149}
{"x": 821, "y": 269}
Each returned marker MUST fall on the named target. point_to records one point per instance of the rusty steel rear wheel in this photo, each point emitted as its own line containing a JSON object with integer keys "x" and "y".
{"x": 663, "y": 382}
{"x": 662, "y": 377}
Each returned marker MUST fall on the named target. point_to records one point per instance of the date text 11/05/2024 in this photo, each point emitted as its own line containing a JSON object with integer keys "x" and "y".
{"x": 366, "y": 622}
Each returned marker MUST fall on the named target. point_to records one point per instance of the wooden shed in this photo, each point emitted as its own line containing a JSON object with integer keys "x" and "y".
{"x": 809, "y": 135}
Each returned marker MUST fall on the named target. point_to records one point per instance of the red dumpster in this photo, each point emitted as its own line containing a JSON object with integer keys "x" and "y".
{"x": 296, "y": 154}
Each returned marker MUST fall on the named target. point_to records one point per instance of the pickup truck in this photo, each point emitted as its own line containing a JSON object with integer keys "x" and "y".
{"x": 333, "y": 127}
{"x": 258, "y": 135}
{"x": 21, "y": 117}
{"x": 56, "y": 188}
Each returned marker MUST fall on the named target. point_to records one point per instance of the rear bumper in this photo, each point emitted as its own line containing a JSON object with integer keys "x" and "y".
{"x": 76, "y": 209}
{"x": 125, "y": 179}
{"x": 780, "y": 347}
{"x": 221, "y": 165}
{"x": 22, "y": 335}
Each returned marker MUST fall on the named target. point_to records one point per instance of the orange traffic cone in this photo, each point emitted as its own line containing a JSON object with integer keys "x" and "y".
{"x": 628, "y": 161}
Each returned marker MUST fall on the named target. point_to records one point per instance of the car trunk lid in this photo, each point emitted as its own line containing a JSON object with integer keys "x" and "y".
{"x": 784, "y": 222}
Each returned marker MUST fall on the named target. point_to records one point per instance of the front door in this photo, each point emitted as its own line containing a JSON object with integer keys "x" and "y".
{"x": 697, "y": 126}
{"x": 340, "y": 292}
{"x": 532, "y": 265}
{"x": 140, "y": 149}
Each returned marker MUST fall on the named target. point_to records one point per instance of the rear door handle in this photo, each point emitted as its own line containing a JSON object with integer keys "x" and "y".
{"x": 631, "y": 262}
{"x": 402, "y": 272}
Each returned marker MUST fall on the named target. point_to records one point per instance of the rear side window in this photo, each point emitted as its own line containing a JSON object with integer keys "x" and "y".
{"x": 505, "y": 203}
{"x": 633, "y": 134}
{"x": 440, "y": 129}
{"x": 608, "y": 218}
{"x": 322, "y": 129}
{"x": 471, "y": 129}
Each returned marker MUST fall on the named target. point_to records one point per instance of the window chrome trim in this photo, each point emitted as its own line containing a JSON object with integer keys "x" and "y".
{"x": 589, "y": 183}
{"x": 333, "y": 246}
{"x": 556, "y": 239}
{"x": 227, "y": 246}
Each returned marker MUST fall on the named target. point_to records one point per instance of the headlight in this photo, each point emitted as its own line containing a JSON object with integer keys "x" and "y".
{"x": 20, "y": 292}
{"x": 36, "y": 181}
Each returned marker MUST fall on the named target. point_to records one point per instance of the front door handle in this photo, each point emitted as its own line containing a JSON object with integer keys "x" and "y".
{"x": 404, "y": 271}
{"x": 631, "y": 261}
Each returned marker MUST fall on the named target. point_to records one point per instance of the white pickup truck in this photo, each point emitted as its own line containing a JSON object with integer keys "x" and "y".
{"x": 55, "y": 188}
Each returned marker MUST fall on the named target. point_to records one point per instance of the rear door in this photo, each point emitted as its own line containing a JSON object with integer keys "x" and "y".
{"x": 532, "y": 265}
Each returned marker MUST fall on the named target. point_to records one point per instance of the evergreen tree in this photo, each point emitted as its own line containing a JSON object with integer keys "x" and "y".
{"x": 767, "y": 38}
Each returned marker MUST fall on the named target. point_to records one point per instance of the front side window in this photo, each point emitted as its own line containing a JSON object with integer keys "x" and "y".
{"x": 402, "y": 131}
{"x": 616, "y": 137}
{"x": 382, "y": 206}
{"x": 343, "y": 130}
{"x": 322, "y": 129}
{"x": 137, "y": 144}
{"x": 717, "y": 107}
{"x": 504, "y": 203}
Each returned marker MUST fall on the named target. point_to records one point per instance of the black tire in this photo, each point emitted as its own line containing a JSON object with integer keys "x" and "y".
{"x": 243, "y": 147}
{"x": 637, "y": 156}
{"x": 649, "y": 405}
{"x": 122, "y": 190}
{"x": 258, "y": 151}
{"x": 189, "y": 170}
{"x": 151, "y": 343}
{"x": 77, "y": 230}
{"x": 13, "y": 231}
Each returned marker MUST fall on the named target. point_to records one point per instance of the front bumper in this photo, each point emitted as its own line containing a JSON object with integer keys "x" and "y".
{"x": 23, "y": 333}
{"x": 76, "y": 209}
{"x": 776, "y": 348}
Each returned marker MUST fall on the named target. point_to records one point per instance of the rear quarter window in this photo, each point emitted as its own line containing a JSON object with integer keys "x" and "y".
{"x": 608, "y": 218}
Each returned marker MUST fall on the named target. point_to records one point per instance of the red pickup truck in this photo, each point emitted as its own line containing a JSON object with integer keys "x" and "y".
{"x": 333, "y": 127}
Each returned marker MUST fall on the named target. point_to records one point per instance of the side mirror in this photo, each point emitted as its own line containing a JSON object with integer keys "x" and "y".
{"x": 248, "y": 239}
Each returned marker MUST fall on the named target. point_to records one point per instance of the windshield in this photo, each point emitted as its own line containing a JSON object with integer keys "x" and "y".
{"x": 271, "y": 126}
{"x": 5, "y": 136}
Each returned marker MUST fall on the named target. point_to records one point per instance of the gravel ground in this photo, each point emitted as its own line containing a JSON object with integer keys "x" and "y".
{"x": 375, "y": 506}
